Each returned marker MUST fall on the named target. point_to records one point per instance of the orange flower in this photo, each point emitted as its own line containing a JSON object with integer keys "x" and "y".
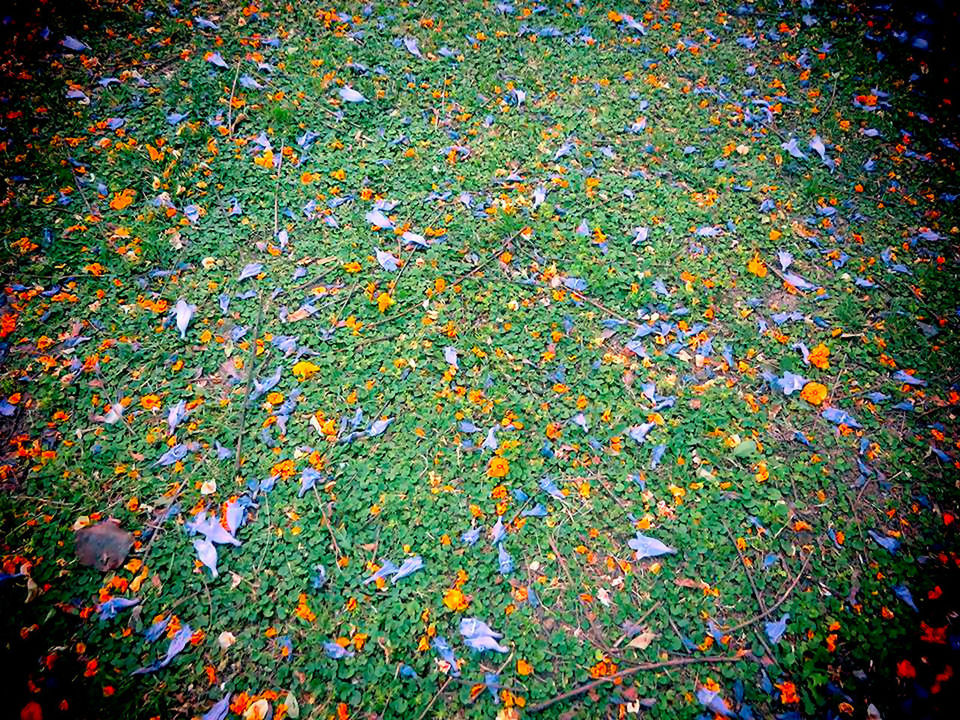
{"x": 284, "y": 469}
{"x": 524, "y": 668}
{"x": 122, "y": 199}
{"x": 757, "y": 266}
{"x": 239, "y": 703}
{"x": 819, "y": 356}
{"x": 814, "y": 393}
{"x": 762, "y": 474}
{"x": 603, "y": 668}
{"x": 455, "y": 600}
{"x": 498, "y": 467}
{"x": 788, "y": 693}
{"x": 303, "y": 610}
{"x": 150, "y": 402}
{"x": 933, "y": 635}
{"x": 8, "y": 324}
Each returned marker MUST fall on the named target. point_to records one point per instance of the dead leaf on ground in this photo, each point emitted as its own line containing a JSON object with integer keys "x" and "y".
{"x": 104, "y": 546}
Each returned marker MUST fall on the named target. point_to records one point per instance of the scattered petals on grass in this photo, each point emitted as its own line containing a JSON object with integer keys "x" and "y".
{"x": 411, "y": 359}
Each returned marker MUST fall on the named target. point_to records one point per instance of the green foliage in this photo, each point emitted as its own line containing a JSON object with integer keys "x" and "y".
{"x": 639, "y": 377}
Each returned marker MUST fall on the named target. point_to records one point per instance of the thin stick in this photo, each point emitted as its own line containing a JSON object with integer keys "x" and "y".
{"x": 560, "y": 560}
{"x": 157, "y": 530}
{"x": 778, "y": 603}
{"x": 459, "y": 280}
{"x": 493, "y": 256}
{"x": 276, "y": 195}
{"x": 233, "y": 89}
{"x": 833, "y": 96}
{"x": 434, "y": 699}
{"x": 95, "y": 216}
{"x": 600, "y": 306}
{"x": 756, "y": 593}
{"x": 251, "y": 360}
{"x": 633, "y": 671}
{"x": 443, "y": 102}
{"x": 643, "y": 617}
{"x": 595, "y": 303}
{"x": 346, "y": 302}
{"x": 497, "y": 672}
{"x": 326, "y": 521}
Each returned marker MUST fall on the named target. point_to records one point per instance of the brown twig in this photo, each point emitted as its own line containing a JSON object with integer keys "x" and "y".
{"x": 233, "y": 89}
{"x": 633, "y": 671}
{"x": 434, "y": 699}
{"x": 600, "y": 306}
{"x": 639, "y": 622}
{"x": 493, "y": 256}
{"x": 496, "y": 672}
{"x": 783, "y": 277}
{"x": 276, "y": 194}
{"x": 249, "y": 386}
{"x": 560, "y": 560}
{"x": 157, "y": 530}
{"x": 756, "y": 593}
{"x": 778, "y": 603}
{"x": 471, "y": 271}
{"x": 595, "y": 303}
{"x": 326, "y": 521}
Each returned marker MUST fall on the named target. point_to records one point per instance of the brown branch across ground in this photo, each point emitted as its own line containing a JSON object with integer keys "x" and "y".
{"x": 675, "y": 662}
{"x": 778, "y": 603}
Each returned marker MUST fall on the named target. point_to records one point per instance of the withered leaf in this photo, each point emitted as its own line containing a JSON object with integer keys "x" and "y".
{"x": 104, "y": 546}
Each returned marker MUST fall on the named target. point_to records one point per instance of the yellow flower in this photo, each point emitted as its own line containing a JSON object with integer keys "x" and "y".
{"x": 384, "y": 301}
{"x": 498, "y": 467}
{"x": 814, "y": 393}
{"x": 305, "y": 369}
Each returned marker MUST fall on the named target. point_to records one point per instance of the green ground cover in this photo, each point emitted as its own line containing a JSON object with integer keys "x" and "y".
{"x": 474, "y": 359}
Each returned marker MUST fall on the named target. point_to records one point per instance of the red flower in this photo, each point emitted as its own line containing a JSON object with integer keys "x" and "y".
{"x": 906, "y": 670}
{"x": 31, "y": 711}
{"x": 937, "y": 636}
